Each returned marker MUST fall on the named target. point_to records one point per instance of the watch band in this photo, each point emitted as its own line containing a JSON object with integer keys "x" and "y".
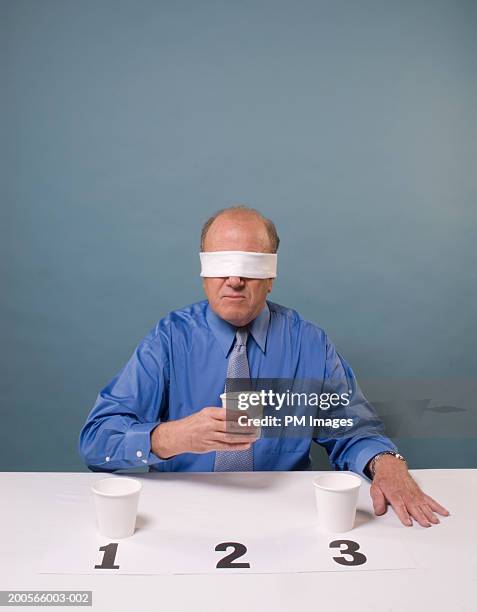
{"x": 372, "y": 463}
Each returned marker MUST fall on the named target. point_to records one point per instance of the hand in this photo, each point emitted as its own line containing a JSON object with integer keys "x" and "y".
{"x": 201, "y": 432}
{"x": 393, "y": 484}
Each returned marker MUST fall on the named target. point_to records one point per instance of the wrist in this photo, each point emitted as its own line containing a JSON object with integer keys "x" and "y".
{"x": 164, "y": 440}
{"x": 383, "y": 460}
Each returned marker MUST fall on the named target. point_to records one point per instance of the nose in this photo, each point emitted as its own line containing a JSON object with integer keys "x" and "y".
{"x": 235, "y": 281}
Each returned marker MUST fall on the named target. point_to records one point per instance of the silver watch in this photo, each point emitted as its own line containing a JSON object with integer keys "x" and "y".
{"x": 372, "y": 464}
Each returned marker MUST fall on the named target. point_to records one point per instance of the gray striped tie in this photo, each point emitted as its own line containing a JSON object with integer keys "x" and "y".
{"x": 236, "y": 461}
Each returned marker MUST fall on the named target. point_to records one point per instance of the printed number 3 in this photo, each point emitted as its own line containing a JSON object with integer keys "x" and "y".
{"x": 351, "y": 549}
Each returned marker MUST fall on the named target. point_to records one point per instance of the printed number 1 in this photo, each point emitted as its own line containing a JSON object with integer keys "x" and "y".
{"x": 110, "y": 551}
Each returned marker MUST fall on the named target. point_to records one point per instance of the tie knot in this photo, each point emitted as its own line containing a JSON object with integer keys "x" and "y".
{"x": 241, "y": 336}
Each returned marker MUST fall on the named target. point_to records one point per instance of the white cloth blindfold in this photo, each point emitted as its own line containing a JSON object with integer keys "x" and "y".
{"x": 238, "y": 263}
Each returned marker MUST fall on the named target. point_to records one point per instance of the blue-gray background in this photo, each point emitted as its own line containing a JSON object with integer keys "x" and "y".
{"x": 125, "y": 124}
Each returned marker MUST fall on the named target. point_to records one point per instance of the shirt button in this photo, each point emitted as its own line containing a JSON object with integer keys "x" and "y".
{"x": 139, "y": 454}
{"x": 107, "y": 458}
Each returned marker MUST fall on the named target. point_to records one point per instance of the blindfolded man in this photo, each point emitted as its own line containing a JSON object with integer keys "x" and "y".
{"x": 161, "y": 409}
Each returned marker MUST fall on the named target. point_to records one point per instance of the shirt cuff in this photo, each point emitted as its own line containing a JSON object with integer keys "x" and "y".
{"x": 137, "y": 444}
{"x": 365, "y": 449}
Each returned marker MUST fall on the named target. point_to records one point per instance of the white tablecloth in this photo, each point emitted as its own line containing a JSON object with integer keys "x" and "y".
{"x": 36, "y": 507}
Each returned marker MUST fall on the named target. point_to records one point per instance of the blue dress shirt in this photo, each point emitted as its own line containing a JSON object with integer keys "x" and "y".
{"x": 180, "y": 367}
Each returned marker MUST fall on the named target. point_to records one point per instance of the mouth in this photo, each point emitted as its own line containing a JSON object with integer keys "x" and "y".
{"x": 233, "y": 297}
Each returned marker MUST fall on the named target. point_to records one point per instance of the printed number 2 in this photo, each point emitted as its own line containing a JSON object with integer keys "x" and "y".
{"x": 110, "y": 551}
{"x": 351, "y": 549}
{"x": 228, "y": 561}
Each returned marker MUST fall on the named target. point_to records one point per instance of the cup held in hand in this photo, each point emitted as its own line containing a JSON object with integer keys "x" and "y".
{"x": 237, "y": 406}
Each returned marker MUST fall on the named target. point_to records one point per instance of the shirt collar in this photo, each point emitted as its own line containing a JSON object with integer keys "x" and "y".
{"x": 224, "y": 331}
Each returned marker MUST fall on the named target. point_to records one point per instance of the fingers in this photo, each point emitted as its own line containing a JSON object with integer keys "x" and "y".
{"x": 436, "y": 506}
{"x": 221, "y": 427}
{"x": 430, "y": 516}
{"x": 418, "y": 513}
{"x": 426, "y": 508}
{"x": 219, "y": 414}
{"x": 379, "y": 501}
{"x": 233, "y": 428}
{"x": 211, "y": 430}
{"x": 230, "y": 442}
{"x": 233, "y": 439}
{"x": 417, "y": 510}
{"x": 226, "y": 431}
{"x": 423, "y": 510}
{"x": 400, "y": 509}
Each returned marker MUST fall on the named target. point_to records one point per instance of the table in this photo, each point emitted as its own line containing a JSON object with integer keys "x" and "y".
{"x": 36, "y": 506}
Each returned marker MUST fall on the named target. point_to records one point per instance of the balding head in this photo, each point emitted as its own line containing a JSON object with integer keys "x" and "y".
{"x": 239, "y": 228}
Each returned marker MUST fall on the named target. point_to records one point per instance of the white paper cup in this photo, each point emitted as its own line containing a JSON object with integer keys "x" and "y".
{"x": 116, "y": 500}
{"x": 336, "y": 495}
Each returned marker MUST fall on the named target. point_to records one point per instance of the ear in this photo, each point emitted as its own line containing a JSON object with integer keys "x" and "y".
{"x": 270, "y": 284}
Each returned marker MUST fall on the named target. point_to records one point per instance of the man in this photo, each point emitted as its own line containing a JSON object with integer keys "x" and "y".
{"x": 161, "y": 410}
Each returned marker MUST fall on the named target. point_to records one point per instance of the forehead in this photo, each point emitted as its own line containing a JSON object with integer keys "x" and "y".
{"x": 238, "y": 232}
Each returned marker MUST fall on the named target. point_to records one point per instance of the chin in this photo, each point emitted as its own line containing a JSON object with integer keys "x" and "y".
{"x": 235, "y": 316}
